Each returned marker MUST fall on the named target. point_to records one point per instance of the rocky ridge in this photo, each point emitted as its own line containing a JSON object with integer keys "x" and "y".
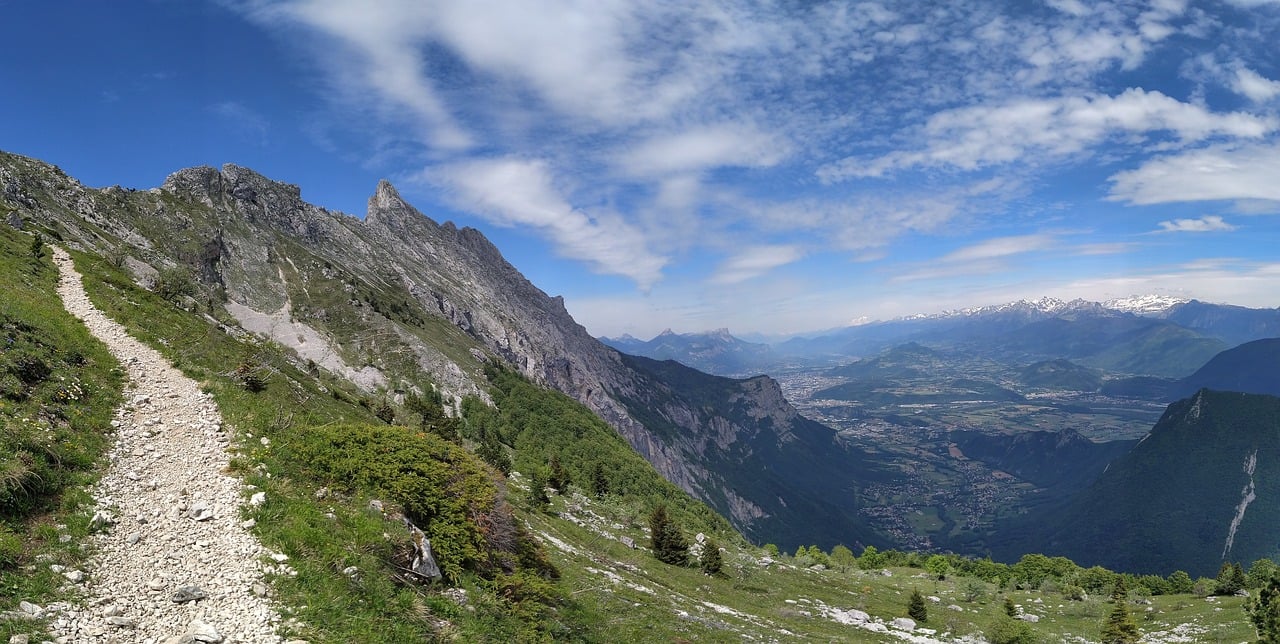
{"x": 427, "y": 304}
{"x": 174, "y": 563}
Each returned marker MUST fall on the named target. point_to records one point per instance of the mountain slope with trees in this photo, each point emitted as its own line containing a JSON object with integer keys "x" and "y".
{"x": 1198, "y": 490}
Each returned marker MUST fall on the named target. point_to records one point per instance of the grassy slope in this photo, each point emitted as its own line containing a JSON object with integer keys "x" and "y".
{"x": 607, "y": 592}
{"x": 58, "y": 389}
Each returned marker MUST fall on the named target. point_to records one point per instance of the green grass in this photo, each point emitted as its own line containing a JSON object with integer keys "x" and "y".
{"x": 58, "y": 389}
{"x": 326, "y": 457}
{"x": 318, "y": 436}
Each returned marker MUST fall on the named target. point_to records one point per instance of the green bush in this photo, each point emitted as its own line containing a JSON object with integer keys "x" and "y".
{"x": 916, "y": 608}
{"x": 10, "y": 548}
{"x": 175, "y": 283}
{"x": 1007, "y": 630}
{"x": 446, "y": 491}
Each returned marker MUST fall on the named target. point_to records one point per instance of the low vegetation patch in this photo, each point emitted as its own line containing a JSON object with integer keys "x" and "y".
{"x": 58, "y": 389}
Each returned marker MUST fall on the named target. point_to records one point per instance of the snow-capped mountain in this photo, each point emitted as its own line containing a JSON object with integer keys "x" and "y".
{"x": 1145, "y": 304}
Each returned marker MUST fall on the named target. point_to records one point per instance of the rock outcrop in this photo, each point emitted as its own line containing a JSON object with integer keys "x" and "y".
{"x": 398, "y": 295}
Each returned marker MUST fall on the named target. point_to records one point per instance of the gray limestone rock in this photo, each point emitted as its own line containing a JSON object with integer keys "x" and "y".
{"x": 188, "y": 594}
{"x": 424, "y": 562}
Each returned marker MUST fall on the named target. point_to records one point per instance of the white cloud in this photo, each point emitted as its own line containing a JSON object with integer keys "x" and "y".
{"x": 755, "y": 261}
{"x": 703, "y": 148}
{"x": 376, "y": 53}
{"x": 1205, "y": 224}
{"x": 1254, "y": 86}
{"x": 1001, "y": 247}
{"x": 243, "y": 120}
{"x": 1214, "y": 173}
{"x": 973, "y": 137}
{"x": 520, "y": 192}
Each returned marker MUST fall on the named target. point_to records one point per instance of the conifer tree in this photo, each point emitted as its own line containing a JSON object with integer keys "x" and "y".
{"x": 1230, "y": 580}
{"x": 1009, "y": 608}
{"x": 916, "y": 608}
{"x": 559, "y": 478}
{"x": 711, "y": 560}
{"x": 1264, "y": 611}
{"x": 599, "y": 480}
{"x": 538, "y": 489}
{"x": 493, "y": 453}
{"x": 1119, "y": 627}
{"x": 669, "y": 545}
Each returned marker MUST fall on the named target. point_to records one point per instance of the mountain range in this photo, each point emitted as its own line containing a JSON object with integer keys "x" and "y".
{"x": 717, "y": 352}
{"x": 399, "y": 303}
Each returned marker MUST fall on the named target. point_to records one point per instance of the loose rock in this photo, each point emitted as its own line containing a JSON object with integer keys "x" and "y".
{"x": 164, "y": 446}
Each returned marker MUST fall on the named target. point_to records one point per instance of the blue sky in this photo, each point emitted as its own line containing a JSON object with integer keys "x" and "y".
{"x": 767, "y": 167}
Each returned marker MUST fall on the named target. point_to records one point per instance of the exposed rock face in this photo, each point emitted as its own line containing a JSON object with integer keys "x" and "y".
{"x": 402, "y": 294}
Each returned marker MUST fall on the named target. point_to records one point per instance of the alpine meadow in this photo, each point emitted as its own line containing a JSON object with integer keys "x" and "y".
{"x": 328, "y": 321}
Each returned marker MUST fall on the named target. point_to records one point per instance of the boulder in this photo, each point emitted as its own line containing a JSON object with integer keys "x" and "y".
{"x": 424, "y": 562}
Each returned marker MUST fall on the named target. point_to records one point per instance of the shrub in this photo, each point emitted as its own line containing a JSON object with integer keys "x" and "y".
{"x": 250, "y": 375}
{"x": 1264, "y": 612}
{"x": 10, "y": 548}
{"x": 916, "y": 608}
{"x": 444, "y": 490}
{"x": 669, "y": 545}
{"x": 974, "y": 590}
{"x": 1007, "y": 630}
{"x": 175, "y": 283}
{"x": 711, "y": 561}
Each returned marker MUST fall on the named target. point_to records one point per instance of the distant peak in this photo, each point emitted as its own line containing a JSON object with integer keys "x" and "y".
{"x": 386, "y": 194}
{"x": 389, "y": 209}
{"x": 1140, "y": 304}
{"x": 666, "y": 332}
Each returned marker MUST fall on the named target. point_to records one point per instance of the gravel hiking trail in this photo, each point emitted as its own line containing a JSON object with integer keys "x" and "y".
{"x": 172, "y": 562}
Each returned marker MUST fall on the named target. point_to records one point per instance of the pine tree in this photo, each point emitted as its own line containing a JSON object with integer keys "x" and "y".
{"x": 599, "y": 480}
{"x": 493, "y": 453}
{"x": 916, "y": 608}
{"x": 1264, "y": 611}
{"x": 559, "y": 478}
{"x": 538, "y": 489}
{"x": 1230, "y": 580}
{"x": 1009, "y": 608}
{"x": 1119, "y": 627}
{"x": 669, "y": 545}
{"x": 711, "y": 560}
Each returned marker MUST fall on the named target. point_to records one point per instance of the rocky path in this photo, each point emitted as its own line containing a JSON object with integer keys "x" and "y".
{"x": 173, "y": 562}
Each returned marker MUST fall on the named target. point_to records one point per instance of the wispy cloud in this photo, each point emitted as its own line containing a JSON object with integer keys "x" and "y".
{"x": 243, "y": 121}
{"x": 1255, "y": 86}
{"x": 974, "y": 137}
{"x": 1207, "y": 174}
{"x": 1000, "y": 247}
{"x": 522, "y": 192}
{"x": 753, "y": 262}
{"x": 638, "y": 137}
{"x": 1205, "y": 224}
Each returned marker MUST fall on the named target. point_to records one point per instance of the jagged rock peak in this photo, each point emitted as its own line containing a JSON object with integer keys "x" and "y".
{"x": 244, "y": 179}
{"x": 240, "y": 182}
{"x": 386, "y": 196}
{"x": 389, "y": 210}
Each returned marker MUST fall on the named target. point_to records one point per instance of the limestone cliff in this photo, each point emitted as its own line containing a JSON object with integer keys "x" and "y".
{"x": 397, "y": 295}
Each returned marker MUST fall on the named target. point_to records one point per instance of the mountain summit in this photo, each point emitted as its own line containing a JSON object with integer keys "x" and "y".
{"x": 384, "y": 300}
